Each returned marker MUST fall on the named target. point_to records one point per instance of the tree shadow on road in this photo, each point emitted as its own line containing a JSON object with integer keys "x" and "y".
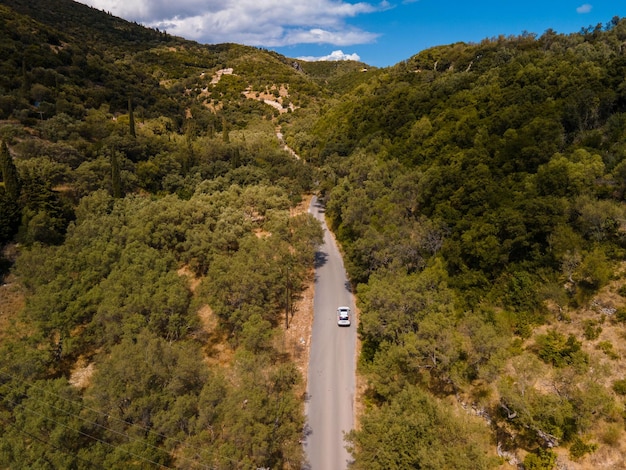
{"x": 320, "y": 206}
{"x": 320, "y": 259}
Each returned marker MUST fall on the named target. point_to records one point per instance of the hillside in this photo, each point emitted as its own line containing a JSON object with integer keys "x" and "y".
{"x": 478, "y": 193}
{"x": 153, "y": 257}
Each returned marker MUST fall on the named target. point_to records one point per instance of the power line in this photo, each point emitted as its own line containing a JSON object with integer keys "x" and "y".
{"x": 37, "y": 438}
{"x": 94, "y": 438}
{"x": 84, "y": 420}
{"x": 80, "y": 403}
{"x": 107, "y": 416}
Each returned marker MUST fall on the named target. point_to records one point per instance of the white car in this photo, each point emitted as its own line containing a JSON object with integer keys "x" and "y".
{"x": 343, "y": 316}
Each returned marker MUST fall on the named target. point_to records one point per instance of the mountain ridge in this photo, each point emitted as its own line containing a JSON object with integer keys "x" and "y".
{"x": 477, "y": 191}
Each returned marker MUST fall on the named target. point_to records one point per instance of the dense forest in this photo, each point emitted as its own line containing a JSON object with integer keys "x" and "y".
{"x": 153, "y": 257}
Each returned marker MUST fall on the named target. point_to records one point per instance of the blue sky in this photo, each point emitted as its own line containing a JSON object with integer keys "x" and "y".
{"x": 379, "y": 33}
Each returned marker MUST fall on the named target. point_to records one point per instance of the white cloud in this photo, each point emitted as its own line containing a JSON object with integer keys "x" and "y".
{"x": 271, "y": 23}
{"x": 585, "y": 8}
{"x": 334, "y": 55}
{"x": 321, "y": 36}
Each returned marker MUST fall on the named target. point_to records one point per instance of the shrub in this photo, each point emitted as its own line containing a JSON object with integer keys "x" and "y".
{"x": 591, "y": 330}
{"x": 620, "y": 315}
{"x": 611, "y": 435}
{"x": 579, "y": 448}
{"x": 619, "y": 387}
{"x": 554, "y": 348}
{"x": 543, "y": 459}
{"x": 607, "y": 348}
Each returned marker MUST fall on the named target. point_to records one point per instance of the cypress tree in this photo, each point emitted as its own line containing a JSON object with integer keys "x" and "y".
{"x": 189, "y": 157}
{"x": 225, "y": 131}
{"x": 131, "y": 117}
{"x": 116, "y": 180}
{"x": 10, "y": 177}
{"x": 25, "y": 80}
{"x": 9, "y": 220}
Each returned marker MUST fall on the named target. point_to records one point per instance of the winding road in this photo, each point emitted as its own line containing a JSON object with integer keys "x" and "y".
{"x": 332, "y": 360}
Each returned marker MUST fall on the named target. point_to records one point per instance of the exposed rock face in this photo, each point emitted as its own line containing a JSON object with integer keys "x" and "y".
{"x": 296, "y": 65}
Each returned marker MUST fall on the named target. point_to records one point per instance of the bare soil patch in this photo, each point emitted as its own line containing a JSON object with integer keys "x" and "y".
{"x": 194, "y": 281}
{"x": 82, "y": 371}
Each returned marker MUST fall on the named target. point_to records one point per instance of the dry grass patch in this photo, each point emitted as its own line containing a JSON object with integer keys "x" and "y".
{"x": 194, "y": 281}
{"x": 216, "y": 350}
{"x": 81, "y": 373}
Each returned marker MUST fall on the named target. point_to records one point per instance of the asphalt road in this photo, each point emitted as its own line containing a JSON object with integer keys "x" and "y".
{"x": 332, "y": 360}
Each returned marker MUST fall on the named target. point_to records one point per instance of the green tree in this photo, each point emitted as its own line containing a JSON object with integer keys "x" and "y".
{"x": 394, "y": 304}
{"x": 45, "y": 428}
{"x": 225, "y": 132}
{"x": 12, "y": 185}
{"x": 116, "y": 181}
{"x": 264, "y": 425}
{"x": 45, "y": 212}
{"x": 414, "y": 431}
{"x": 554, "y": 348}
{"x": 541, "y": 460}
{"x": 131, "y": 118}
{"x": 9, "y": 217}
{"x": 144, "y": 383}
